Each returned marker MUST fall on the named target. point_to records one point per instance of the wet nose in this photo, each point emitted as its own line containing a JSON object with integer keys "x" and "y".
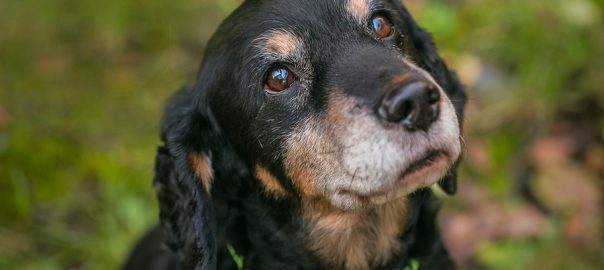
{"x": 414, "y": 105}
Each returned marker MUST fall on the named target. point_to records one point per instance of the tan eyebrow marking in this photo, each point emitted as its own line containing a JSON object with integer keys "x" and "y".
{"x": 280, "y": 42}
{"x": 359, "y": 9}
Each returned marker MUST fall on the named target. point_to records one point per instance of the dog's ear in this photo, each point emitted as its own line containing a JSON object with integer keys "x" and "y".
{"x": 447, "y": 79}
{"x": 184, "y": 177}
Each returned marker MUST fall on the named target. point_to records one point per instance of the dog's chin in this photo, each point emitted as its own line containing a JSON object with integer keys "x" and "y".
{"x": 422, "y": 173}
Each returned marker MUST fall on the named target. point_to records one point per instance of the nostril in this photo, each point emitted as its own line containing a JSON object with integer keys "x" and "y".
{"x": 433, "y": 95}
{"x": 399, "y": 107}
{"x": 405, "y": 109}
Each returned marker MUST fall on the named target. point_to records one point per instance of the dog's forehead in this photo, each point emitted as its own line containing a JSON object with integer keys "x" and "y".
{"x": 311, "y": 13}
{"x": 284, "y": 27}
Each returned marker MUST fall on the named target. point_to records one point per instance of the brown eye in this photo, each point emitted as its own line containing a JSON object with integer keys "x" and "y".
{"x": 279, "y": 78}
{"x": 381, "y": 26}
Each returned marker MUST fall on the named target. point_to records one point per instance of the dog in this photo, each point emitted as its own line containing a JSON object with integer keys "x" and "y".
{"x": 311, "y": 140}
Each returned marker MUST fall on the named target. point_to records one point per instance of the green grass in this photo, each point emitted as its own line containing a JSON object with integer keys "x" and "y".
{"x": 84, "y": 83}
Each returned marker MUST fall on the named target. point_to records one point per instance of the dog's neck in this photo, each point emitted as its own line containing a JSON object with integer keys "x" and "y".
{"x": 320, "y": 237}
{"x": 361, "y": 239}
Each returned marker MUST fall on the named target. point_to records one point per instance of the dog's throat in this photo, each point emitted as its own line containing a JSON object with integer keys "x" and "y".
{"x": 356, "y": 239}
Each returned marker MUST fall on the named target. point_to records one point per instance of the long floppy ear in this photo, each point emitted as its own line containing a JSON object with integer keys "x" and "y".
{"x": 447, "y": 79}
{"x": 184, "y": 178}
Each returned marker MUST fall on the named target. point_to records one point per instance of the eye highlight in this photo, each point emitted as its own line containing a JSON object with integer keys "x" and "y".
{"x": 279, "y": 78}
{"x": 381, "y": 26}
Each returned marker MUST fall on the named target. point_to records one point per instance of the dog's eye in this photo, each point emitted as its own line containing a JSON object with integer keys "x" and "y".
{"x": 381, "y": 26}
{"x": 279, "y": 78}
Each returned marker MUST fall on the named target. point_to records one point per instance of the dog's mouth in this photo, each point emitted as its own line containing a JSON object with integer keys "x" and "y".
{"x": 421, "y": 173}
{"x": 429, "y": 159}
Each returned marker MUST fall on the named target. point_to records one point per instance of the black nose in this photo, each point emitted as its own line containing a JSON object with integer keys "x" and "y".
{"x": 414, "y": 105}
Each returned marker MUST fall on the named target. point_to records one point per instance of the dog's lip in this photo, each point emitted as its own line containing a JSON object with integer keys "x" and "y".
{"x": 427, "y": 160}
{"x": 430, "y": 159}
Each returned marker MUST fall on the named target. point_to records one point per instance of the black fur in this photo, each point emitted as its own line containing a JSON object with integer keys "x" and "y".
{"x": 225, "y": 117}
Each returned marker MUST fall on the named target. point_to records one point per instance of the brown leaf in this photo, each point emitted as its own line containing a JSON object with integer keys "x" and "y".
{"x": 551, "y": 150}
{"x": 483, "y": 219}
{"x": 571, "y": 190}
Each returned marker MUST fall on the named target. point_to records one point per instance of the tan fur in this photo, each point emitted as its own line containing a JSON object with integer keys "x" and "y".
{"x": 399, "y": 79}
{"x": 338, "y": 108}
{"x": 356, "y": 239}
{"x": 202, "y": 167}
{"x": 269, "y": 182}
{"x": 318, "y": 139}
{"x": 359, "y": 9}
{"x": 280, "y": 42}
{"x": 304, "y": 144}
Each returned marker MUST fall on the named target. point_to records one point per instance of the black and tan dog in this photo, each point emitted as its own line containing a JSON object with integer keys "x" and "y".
{"x": 308, "y": 142}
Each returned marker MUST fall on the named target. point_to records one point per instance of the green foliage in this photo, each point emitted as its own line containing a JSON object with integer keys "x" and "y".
{"x": 236, "y": 257}
{"x": 82, "y": 86}
{"x": 413, "y": 266}
{"x": 508, "y": 255}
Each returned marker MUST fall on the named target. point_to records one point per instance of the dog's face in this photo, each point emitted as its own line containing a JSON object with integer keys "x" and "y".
{"x": 340, "y": 100}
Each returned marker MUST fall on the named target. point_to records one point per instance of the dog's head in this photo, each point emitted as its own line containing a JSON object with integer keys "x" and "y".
{"x": 341, "y": 100}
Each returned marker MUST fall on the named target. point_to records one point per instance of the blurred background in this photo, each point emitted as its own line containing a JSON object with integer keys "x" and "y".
{"x": 83, "y": 83}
